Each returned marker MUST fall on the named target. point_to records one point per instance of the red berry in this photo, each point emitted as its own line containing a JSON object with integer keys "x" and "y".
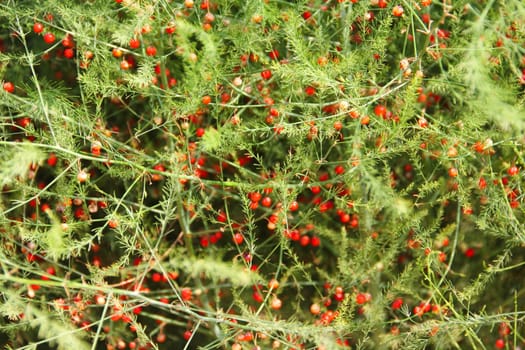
{"x": 159, "y": 167}
{"x": 315, "y": 189}
{"x": 380, "y": 111}
{"x": 294, "y": 235}
{"x": 398, "y": 11}
{"x": 205, "y": 241}
{"x": 186, "y": 294}
{"x": 68, "y": 41}
{"x": 513, "y": 170}
{"x": 315, "y": 309}
{"x": 113, "y": 223}
{"x": 304, "y": 240}
{"x": 482, "y": 183}
{"x": 156, "y": 277}
{"x": 49, "y": 38}
{"x": 276, "y": 303}
{"x": 273, "y": 284}
{"x": 151, "y": 50}
{"x": 38, "y": 27}
{"x": 124, "y": 65}
{"x": 361, "y": 298}
{"x": 170, "y": 29}
{"x": 339, "y": 170}
{"x": 339, "y": 297}
{"x": 397, "y": 303}
{"x": 309, "y": 90}
{"x": 266, "y": 74}
{"x": 499, "y": 344}
{"x": 116, "y": 52}
{"x": 69, "y": 53}
{"x": 225, "y": 97}
{"x": 503, "y": 329}
{"x": 134, "y": 43}
{"x": 238, "y": 238}
{"x": 221, "y": 217}
{"x": 266, "y": 202}
{"x": 255, "y": 196}
{"x": 206, "y": 100}
{"x": 52, "y": 159}
{"x": 274, "y": 54}
{"x": 422, "y": 122}
{"x": 9, "y": 87}
{"x": 161, "y": 338}
{"x": 200, "y": 132}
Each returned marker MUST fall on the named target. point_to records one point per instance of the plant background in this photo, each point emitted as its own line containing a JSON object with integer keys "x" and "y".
{"x": 229, "y": 174}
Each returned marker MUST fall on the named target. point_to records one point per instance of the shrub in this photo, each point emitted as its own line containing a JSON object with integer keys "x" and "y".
{"x": 245, "y": 175}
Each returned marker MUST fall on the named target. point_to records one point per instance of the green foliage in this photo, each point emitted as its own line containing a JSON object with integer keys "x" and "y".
{"x": 228, "y": 175}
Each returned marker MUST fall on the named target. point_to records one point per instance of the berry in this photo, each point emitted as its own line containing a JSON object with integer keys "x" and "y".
{"x": 116, "y": 52}
{"x": 380, "y": 111}
{"x": 38, "y": 28}
{"x": 499, "y": 344}
{"x": 52, "y": 159}
{"x": 315, "y": 309}
{"x": 273, "y": 284}
{"x": 309, "y": 90}
{"x": 82, "y": 176}
{"x": 266, "y": 74}
{"x": 200, "y": 132}
{"x": 306, "y": 15}
{"x": 274, "y": 54}
{"x": 266, "y": 202}
{"x": 513, "y": 170}
{"x": 206, "y": 100}
{"x": 276, "y": 303}
{"x": 255, "y": 196}
{"x": 397, "y": 303}
{"x": 362, "y": 298}
{"x": 186, "y": 294}
{"x": 124, "y": 65}
{"x": 238, "y": 238}
{"x": 151, "y": 50}
{"x": 134, "y": 43}
{"x": 339, "y": 170}
{"x": 422, "y": 122}
{"x": 9, "y": 87}
{"x": 49, "y": 38}
{"x": 69, "y": 53}
{"x": 398, "y": 11}
{"x": 161, "y": 338}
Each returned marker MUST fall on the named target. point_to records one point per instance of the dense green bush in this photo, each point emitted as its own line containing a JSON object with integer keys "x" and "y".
{"x": 262, "y": 174}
